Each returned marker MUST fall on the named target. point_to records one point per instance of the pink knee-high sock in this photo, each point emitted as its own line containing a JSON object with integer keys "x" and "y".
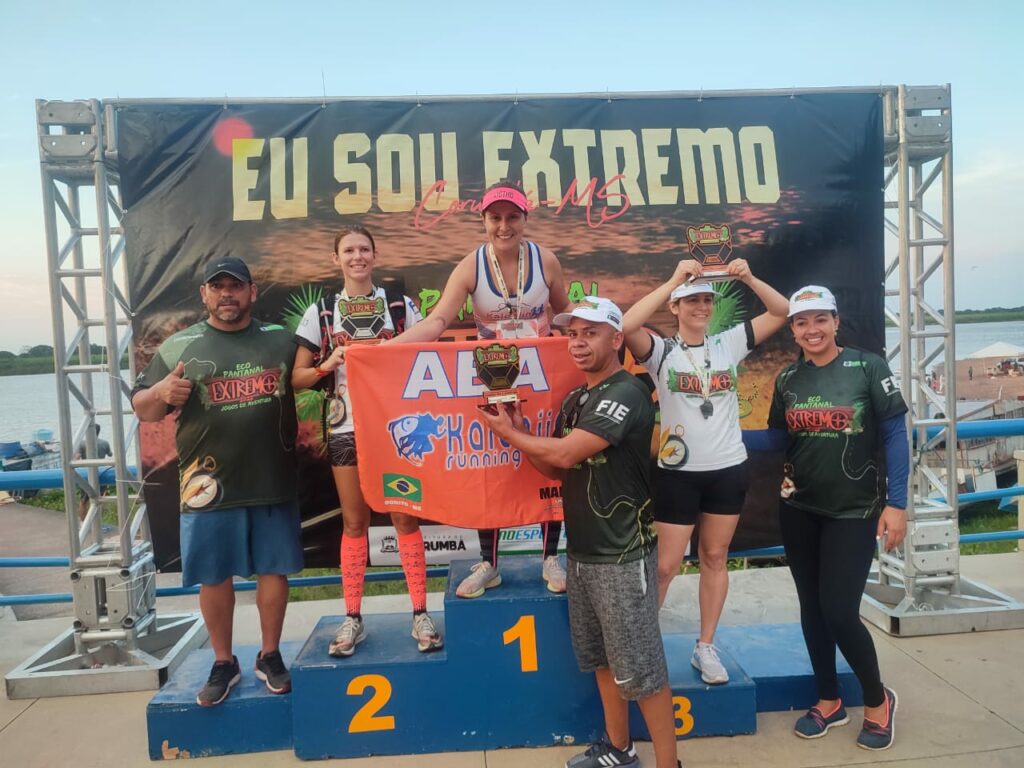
{"x": 414, "y": 563}
{"x": 353, "y": 571}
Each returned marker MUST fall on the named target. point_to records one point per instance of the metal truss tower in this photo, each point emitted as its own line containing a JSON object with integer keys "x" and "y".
{"x": 116, "y": 642}
{"x": 918, "y": 590}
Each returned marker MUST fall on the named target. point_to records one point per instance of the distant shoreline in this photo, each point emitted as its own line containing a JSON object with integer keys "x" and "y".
{"x": 28, "y": 366}
{"x": 964, "y": 316}
{"x": 32, "y": 366}
{"x": 989, "y": 315}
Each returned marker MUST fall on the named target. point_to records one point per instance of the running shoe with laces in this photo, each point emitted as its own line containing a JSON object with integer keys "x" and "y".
{"x": 271, "y": 670}
{"x": 350, "y": 634}
{"x": 554, "y": 574}
{"x": 878, "y": 736}
{"x": 224, "y": 675}
{"x": 482, "y": 576}
{"x": 425, "y": 633}
{"x": 816, "y": 723}
{"x": 604, "y": 755}
{"x": 705, "y": 658}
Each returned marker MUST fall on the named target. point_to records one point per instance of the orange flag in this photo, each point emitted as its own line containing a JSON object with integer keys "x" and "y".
{"x": 425, "y": 451}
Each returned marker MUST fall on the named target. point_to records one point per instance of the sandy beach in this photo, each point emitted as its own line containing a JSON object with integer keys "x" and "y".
{"x": 980, "y": 386}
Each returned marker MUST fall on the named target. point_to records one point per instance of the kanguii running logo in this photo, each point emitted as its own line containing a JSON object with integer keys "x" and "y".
{"x": 402, "y": 487}
{"x": 414, "y": 436}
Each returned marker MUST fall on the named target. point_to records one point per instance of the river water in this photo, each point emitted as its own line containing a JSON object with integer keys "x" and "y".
{"x": 28, "y": 403}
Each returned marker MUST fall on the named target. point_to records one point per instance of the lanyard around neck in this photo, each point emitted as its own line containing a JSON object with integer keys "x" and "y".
{"x": 371, "y": 294}
{"x": 499, "y": 279}
{"x": 703, "y": 374}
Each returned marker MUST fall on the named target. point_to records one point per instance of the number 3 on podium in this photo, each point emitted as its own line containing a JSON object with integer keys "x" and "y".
{"x": 366, "y": 718}
{"x": 683, "y": 715}
{"x": 525, "y": 631}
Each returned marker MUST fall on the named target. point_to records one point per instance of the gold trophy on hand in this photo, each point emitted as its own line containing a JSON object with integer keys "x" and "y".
{"x": 711, "y": 245}
{"x": 497, "y": 366}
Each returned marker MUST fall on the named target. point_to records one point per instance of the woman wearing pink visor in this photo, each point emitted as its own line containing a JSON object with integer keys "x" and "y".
{"x": 512, "y": 283}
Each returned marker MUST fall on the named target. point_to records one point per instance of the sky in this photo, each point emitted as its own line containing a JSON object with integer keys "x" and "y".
{"x": 73, "y": 50}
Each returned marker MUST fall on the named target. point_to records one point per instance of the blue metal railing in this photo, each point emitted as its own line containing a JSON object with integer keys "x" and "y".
{"x": 971, "y": 430}
{"x": 33, "y": 479}
{"x": 53, "y": 478}
{"x": 240, "y": 586}
{"x": 334, "y": 579}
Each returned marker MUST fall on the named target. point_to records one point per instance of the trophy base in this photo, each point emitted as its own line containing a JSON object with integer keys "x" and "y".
{"x": 496, "y": 396}
{"x": 364, "y": 342}
{"x": 711, "y": 276}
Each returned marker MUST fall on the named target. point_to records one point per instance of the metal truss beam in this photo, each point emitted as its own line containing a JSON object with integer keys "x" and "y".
{"x": 918, "y": 589}
{"x": 115, "y": 642}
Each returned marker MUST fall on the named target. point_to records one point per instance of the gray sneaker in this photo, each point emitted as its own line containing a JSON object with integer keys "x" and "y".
{"x": 554, "y": 574}
{"x": 224, "y": 675}
{"x": 271, "y": 670}
{"x": 482, "y": 576}
{"x": 426, "y": 634}
{"x": 604, "y": 755}
{"x": 705, "y": 658}
{"x": 350, "y": 634}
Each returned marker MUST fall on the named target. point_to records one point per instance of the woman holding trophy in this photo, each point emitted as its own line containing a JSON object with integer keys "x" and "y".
{"x": 702, "y": 470}
{"x": 359, "y": 313}
{"x": 512, "y": 283}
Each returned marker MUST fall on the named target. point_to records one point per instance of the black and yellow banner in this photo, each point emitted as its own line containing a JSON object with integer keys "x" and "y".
{"x": 615, "y": 184}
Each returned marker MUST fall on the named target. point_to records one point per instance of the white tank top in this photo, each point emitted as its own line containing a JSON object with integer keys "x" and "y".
{"x": 494, "y": 318}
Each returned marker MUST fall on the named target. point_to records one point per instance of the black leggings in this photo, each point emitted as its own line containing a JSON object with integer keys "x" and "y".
{"x": 489, "y": 541}
{"x": 830, "y": 560}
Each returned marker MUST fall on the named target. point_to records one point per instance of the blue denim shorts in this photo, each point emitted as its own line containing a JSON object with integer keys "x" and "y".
{"x": 240, "y": 541}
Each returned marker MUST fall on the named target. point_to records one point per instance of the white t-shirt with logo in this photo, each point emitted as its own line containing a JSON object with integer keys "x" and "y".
{"x": 375, "y": 325}
{"x": 690, "y": 442}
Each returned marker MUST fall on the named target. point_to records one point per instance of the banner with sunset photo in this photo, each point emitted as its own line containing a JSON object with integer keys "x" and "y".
{"x": 791, "y": 183}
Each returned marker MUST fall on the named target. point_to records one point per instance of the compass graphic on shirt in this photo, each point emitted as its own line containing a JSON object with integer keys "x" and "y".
{"x": 199, "y": 488}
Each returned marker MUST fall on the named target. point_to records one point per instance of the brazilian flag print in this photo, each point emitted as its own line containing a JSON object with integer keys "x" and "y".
{"x": 402, "y": 487}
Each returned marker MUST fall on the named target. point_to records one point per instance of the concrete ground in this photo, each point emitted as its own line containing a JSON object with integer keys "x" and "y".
{"x": 27, "y": 531}
{"x": 960, "y": 695}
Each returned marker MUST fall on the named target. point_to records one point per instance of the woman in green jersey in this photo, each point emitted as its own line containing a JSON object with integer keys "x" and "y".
{"x": 839, "y": 413}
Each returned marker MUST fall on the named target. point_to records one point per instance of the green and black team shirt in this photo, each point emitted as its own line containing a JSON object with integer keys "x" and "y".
{"x": 236, "y": 433}
{"x": 832, "y": 415}
{"x": 607, "y": 499}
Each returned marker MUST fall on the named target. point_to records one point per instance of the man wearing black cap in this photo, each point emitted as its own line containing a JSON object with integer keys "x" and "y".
{"x": 228, "y": 377}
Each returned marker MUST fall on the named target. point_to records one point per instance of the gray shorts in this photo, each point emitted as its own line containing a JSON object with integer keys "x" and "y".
{"x": 613, "y": 619}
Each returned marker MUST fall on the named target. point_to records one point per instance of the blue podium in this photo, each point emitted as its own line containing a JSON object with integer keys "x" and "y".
{"x": 251, "y": 720}
{"x": 507, "y": 677}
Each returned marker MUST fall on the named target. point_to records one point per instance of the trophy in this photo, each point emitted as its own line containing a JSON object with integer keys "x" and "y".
{"x": 711, "y": 245}
{"x": 497, "y": 366}
{"x": 360, "y": 320}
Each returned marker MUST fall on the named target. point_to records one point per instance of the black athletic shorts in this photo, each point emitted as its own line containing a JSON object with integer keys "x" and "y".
{"x": 681, "y": 495}
{"x": 341, "y": 449}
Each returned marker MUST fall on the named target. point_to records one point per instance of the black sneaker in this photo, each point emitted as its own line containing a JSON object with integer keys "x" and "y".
{"x": 270, "y": 669}
{"x": 604, "y": 755}
{"x": 224, "y": 675}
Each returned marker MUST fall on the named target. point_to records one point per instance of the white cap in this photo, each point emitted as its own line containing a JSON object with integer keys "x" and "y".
{"x": 812, "y": 297}
{"x": 596, "y": 309}
{"x": 691, "y": 289}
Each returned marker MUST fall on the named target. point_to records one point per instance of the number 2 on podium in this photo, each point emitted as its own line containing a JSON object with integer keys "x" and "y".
{"x": 366, "y": 718}
{"x": 525, "y": 631}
